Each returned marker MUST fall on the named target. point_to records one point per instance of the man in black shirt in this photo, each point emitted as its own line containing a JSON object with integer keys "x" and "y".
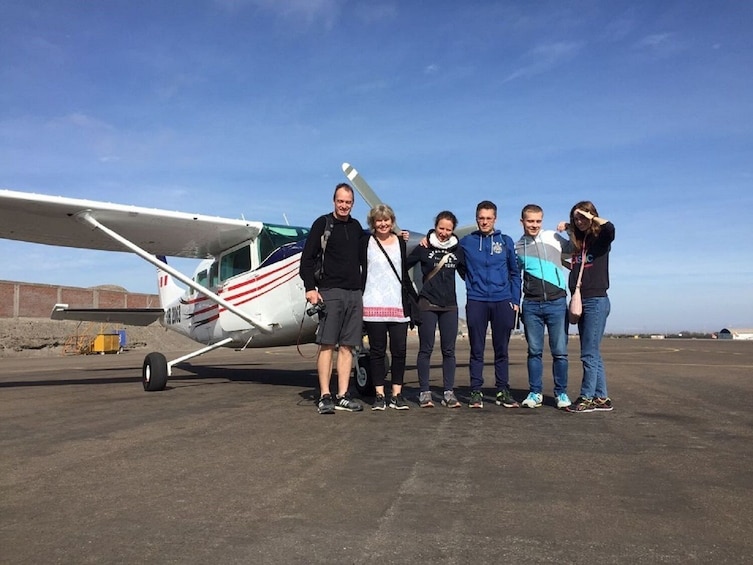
{"x": 336, "y": 238}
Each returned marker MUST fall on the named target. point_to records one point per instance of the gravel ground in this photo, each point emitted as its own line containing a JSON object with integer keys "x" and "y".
{"x": 40, "y": 337}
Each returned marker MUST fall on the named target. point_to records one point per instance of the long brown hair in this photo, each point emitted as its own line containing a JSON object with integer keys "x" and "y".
{"x": 579, "y": 236}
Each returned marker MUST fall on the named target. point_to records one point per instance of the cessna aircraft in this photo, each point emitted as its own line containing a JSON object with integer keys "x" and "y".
{"x": 245, "y": 293}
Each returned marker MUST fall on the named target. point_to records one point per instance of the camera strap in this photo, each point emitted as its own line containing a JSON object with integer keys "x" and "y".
{"x": 298, "y": 340}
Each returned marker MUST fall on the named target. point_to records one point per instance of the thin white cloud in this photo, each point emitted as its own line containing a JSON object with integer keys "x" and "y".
{"x": 431, "y": 69}
{"x": 654, "y": 40}
{"x": 659, "y": 44}
{"x": 618, "y": 29}
{"x": 81, "y": 121}
{"x": 544, "y": 58}
{"x": 308, "y": 11}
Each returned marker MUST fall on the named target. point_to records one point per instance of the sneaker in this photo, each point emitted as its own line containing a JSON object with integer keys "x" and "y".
{"x": 504, "y": 398}
{"x": 449, "y": 400}
{"x": 347, "y": 404}
{"x": 533, "y": 400}
{"x": 603, "y": 404}
{"x": 581, "y": 404}
{"x": 562, "y": 400}
{"x": 379, "y": 403}
{"x": 398, "y": 403}
{"x": 325, "y": 405}
{"x": 424, "y": 400}
{"x": 477, "y": 399}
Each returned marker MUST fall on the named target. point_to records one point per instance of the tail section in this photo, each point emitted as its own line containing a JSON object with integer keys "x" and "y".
{"x": 169, "y": 292}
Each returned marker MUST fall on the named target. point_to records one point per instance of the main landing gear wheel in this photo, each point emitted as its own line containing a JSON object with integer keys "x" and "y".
{"x": 364, "y": 384}
{"x": 154, "y": 372}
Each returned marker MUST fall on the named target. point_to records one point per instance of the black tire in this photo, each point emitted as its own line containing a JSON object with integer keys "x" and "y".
{"x": 154, "y": 372}
{"x": 364, "y": 384}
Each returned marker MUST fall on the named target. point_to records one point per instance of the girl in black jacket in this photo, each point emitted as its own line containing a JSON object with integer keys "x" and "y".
{"x": 438, "y": 304}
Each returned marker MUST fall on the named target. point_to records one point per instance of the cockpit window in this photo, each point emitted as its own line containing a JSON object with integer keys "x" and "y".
{"x": 274, "y": 236}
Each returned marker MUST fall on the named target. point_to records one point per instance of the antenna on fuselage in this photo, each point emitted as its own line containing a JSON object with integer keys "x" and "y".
{"x": 286, "y": 219}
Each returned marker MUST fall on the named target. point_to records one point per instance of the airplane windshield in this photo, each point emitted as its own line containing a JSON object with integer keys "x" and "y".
{"x": 273, "y": 236}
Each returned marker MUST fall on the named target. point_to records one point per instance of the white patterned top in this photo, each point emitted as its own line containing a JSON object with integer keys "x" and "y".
{"x": 383, "y": 297}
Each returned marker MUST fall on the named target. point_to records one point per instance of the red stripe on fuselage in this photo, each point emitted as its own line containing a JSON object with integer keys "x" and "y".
{"x": 282, "y": 274}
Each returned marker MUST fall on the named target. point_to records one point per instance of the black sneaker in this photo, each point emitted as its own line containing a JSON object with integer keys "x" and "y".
{"x": 504, "y": 398}
{"x": 477, "y": 399}
{"x": 347, "y": 404}
{"x": 379, "y": 403}
{"x": 581, "y": 405}
{"x": 398, "y": 403}
{"x": 326, "y": 405}
{"x": 603, "y": 404}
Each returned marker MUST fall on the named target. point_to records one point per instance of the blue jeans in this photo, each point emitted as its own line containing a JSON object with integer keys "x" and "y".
{"x": 591, "y": 329}
{"x": 501, "y": 317}
{"x": 552, "y": 315}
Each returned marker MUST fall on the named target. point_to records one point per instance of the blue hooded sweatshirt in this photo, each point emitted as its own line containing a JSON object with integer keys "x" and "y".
{"x": 490, "y": 267}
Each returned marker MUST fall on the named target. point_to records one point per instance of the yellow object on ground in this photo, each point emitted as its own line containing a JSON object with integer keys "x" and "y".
{"x": 106, "y": 343}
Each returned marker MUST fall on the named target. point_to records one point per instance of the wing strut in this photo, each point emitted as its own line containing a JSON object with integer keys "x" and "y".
{"x": 86, "y": 217}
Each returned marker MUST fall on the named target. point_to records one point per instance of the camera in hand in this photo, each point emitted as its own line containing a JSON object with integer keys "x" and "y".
{"x": 317, "y": 308}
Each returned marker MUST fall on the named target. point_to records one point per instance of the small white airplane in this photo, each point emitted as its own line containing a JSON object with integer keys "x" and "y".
{"x": 245, "y": 293}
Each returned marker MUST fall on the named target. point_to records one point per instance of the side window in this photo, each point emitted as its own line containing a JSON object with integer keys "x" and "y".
{"x": 201, "y": 277}
{"x": 235, "y": 262}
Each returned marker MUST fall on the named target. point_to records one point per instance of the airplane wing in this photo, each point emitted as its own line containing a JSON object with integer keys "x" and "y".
{"x": 52, "y": 220}
{"x": 127, "y": 316}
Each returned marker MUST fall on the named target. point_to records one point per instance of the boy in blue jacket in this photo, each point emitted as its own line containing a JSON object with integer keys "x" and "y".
{"x": 492, "y": 279}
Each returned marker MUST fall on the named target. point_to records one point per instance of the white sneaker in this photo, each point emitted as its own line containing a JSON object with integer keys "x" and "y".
{"x": 562, "y": 400}
{"x": 533, "y": 400}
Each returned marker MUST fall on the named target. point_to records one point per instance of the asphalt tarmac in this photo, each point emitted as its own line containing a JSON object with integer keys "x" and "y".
{"x": 232, "y": 464}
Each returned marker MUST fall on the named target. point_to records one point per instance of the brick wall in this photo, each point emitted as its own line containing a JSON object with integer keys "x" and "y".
{"x": 29, "y": 300}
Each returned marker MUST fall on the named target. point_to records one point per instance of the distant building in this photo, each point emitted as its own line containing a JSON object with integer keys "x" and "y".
{"x": 736, "y": 333}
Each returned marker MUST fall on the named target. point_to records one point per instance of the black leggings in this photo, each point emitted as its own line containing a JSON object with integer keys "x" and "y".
{"x": 398, "y": 335}
{"x": 448, "y": 333}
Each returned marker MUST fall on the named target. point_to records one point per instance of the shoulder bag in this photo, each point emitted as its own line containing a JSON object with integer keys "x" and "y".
{"x": 410, "y": 296}
{"x": 575, "y": 309}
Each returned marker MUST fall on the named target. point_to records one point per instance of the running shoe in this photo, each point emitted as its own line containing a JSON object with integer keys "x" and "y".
{"x": 424, "y": 399}
{"x": 449, "y": 400}
{"x": 562, "y": 400}
{"x": 603, "y": 404}
{"x": 504, "y": 398}
{"x": 533, "y": 400}
{"x": 398, "y": 403}
{"x": 346, "y": 403}
{"x": 581, "y": 404}
{"x": 325, "y": 405}
{"x": 379, "y": 403}
{"x": 477, "y": 399}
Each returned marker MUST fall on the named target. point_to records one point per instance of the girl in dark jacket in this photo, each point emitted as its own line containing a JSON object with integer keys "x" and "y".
{"x": 438, "y": 304}
{"x": 593, "y": 237}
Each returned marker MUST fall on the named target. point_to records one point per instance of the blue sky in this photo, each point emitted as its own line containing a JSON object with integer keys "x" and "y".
{"x": 231, "y": 107}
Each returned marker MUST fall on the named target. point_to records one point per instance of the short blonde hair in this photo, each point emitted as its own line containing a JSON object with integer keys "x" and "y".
{"x": 380, "y": 212}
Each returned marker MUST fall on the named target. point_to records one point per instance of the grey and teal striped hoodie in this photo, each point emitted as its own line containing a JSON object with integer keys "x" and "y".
{"x": 540, "y": 261}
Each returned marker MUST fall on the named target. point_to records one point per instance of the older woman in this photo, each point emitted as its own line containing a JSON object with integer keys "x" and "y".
{"x": 383, "y": 304}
